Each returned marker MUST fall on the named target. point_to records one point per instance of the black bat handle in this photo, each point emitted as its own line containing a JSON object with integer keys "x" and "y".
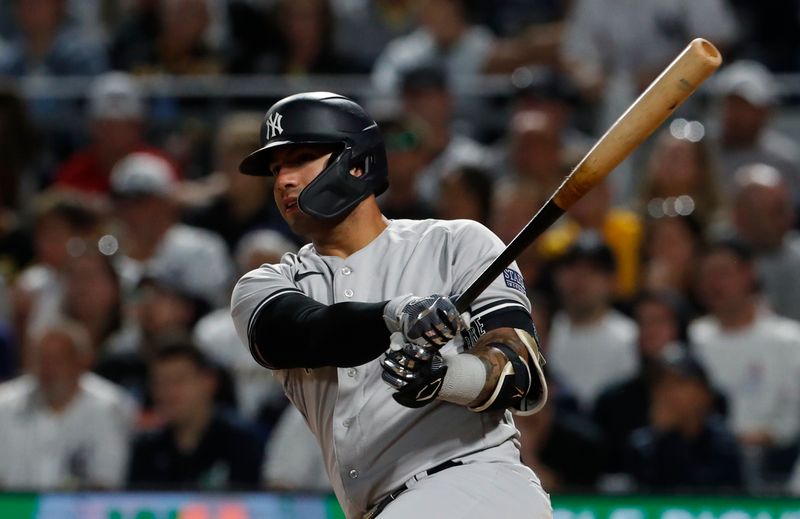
{"x": 547, "y": 216}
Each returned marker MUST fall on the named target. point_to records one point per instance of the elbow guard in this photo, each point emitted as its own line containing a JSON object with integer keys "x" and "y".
{"x": 514, "y": 377}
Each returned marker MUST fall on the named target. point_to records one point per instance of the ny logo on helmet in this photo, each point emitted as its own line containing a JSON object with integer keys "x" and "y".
{"x": 274, "y": 125}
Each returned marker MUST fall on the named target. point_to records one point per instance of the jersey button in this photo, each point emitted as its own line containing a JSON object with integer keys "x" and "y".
{"x": 353, "y": 474}
{"x": 348, "y": 293}
{"x": 347, "y": 422}
{"x": 346, "y": 271}
{"x": 352, "y": 372}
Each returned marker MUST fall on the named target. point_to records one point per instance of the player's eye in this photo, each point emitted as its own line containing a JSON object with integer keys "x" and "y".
{"x": 275, "y": 168}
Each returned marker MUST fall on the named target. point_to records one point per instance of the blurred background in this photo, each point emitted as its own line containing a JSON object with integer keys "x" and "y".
{"x": 667, "y": 300}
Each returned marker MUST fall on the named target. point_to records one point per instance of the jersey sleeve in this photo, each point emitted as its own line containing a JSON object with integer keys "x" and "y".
{"x": 504, "y": 302}
{"x": 252, "y": 292}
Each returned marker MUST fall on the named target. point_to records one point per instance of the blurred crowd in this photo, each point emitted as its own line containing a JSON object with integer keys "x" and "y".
{"x": 667, "y": 300}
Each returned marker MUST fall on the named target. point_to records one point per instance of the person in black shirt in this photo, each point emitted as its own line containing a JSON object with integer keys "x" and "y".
{"x": 198, "y": 446}
{"x": 685, "y": 446}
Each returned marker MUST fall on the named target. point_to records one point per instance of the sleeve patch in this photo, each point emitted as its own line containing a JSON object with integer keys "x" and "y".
{"x": 514, "y": 280}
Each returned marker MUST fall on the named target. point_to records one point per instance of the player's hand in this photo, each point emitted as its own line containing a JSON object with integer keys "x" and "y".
{"x": 428, "y": 322}
{"x": 415, "y": 372}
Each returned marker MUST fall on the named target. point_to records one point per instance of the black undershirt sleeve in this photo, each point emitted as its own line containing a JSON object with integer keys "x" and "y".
{"x": 295, "y": 331}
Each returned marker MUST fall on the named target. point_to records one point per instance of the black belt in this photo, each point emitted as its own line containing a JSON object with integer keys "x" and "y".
{"x": 383, "y": 503}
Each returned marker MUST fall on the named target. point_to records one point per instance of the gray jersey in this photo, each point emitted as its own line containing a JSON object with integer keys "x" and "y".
{"x": 371, "y": 444}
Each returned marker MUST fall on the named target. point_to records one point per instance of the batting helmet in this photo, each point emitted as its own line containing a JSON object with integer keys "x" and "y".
{"x": 326, "y": 118}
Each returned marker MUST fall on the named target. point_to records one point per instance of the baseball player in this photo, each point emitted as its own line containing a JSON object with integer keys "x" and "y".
{"x": 410, "y": 402}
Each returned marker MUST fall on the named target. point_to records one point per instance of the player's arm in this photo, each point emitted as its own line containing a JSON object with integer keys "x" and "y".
{"x": 284, "y": 328}
{"x": 503, "y": 370}
{"x": 295, "y": 331}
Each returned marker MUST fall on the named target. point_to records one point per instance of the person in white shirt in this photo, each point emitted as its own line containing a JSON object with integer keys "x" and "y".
{"x": 591, "y": 344}
{"x": 752, "y": 356}
{"x": 60, "y": 426}
{"x": 154, "y": 239}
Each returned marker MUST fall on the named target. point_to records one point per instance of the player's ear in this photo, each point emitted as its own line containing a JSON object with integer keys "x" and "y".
{"x": 357, "y": 172}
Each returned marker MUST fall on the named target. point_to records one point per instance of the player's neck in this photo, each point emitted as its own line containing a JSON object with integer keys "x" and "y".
{"x": 353, "y": 233}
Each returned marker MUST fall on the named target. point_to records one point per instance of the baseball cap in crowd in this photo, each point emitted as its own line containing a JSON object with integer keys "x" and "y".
{"x": 426, "y": 76}
{"x": 749, "y": 80}
{"x": 676, "y": 359}
{"x": 142, "y": 174}
{"x": 589, "y": 246}
{"x": 115, "y": 95}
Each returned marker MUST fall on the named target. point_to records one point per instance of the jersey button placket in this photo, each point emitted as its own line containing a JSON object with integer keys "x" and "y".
{"x": 353, "y": 474}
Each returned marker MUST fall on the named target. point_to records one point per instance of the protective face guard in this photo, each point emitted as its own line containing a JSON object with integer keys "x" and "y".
{"x": 335, "y": 192}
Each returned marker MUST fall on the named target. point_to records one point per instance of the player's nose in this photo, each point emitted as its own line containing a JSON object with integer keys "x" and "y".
{"x": 286, "y": 179}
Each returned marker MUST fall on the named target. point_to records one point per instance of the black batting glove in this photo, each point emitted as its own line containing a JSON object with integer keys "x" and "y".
{"x": 415, "y": 373}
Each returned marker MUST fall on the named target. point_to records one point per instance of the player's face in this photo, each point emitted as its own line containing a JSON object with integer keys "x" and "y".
{"x": 294, "y": 167}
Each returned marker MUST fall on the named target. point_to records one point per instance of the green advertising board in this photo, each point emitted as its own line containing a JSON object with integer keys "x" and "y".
{"x": 168, "y": 505}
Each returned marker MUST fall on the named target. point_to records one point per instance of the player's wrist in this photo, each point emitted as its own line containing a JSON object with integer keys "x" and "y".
{"x": 464, "y": 380}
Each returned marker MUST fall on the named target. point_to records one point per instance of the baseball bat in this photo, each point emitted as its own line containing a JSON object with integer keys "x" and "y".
{"x": 671, "y": 88}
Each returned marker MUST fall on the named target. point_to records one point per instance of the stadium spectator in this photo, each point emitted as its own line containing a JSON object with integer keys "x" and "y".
{"x": 377, "y": 22}
{"x": 198, "y": 446}
{"x": 177, "y": 37}
{"x": 304, "y": 41}
{"x": 63, "y": 224}
{"x": 680, "y": 177}
{"x": 466, "y": 193}
{"x": 259, "y": 395}
{"x": 293, "y": 459}
{"x": 406, "y": 156}
{"x": 535, "y": 152}
{"x": 591, "y": 345}
{"x": 243, "y": 203}
{"x": 749, "y": 96}
{"x": 661, "y": 320}
{"x": 47, "y": 44}
{"x": 620, "y": 228}
{"x": 163, "y": 305}
{"x": 750, "y": 354}
{"x": 511, "y": 206}
{"x": 62, "y": 427}
{"x": 447, "y": 36}
{"x": 669, "y": 253}
{"x": 91, "y": 296}
{"x": 153, "y": 238}
{"x": 685, "y": 445}
{"x": 426, "y": 95}
{"x": 116, "y": 111}
{"x": 613, "y": 58}
{"x": 764, "y": 217}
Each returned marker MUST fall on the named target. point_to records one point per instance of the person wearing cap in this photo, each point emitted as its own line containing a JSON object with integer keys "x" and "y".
{"x": 591, "y": 345}
{"x": 116, "y": 111}
{"x": 749, "y": 96}
{"x": 143, "y": 187}
{"x": 764, "y": 216}
{"x": 751, "y": 355}
{"x": 685, "y": 445}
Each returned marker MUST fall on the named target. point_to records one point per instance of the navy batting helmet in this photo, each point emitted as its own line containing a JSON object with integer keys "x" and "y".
{"x": 325, "y": 118}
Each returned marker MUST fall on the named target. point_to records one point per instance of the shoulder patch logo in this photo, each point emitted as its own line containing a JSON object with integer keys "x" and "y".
{"x": 274, "y": 125}
{"x": 514, "y": 280}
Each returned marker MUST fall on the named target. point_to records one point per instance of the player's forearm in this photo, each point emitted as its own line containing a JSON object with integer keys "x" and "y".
{"x": 499, "y": 372}
{"x": 295, "y": 331}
